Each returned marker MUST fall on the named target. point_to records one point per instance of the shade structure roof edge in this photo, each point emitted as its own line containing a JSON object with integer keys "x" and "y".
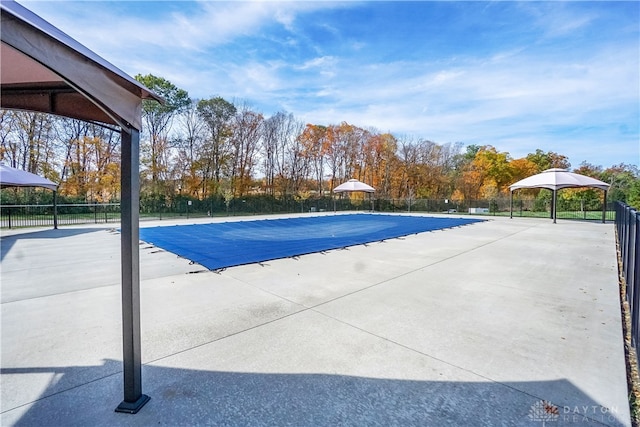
{"x": 87, "y": 87}
{"x": 556, "y": 179}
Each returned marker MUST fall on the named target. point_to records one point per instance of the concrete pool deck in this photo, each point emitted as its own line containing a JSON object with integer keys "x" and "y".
{"x": 475, "y": 325}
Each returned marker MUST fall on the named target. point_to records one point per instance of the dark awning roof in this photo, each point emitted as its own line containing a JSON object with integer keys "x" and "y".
{"x": 45, "y": 70}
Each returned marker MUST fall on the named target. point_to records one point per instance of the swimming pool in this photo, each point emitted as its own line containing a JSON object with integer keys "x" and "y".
{"x": 227, "y": 244}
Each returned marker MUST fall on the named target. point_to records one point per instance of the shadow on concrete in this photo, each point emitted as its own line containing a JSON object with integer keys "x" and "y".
{"x": 196, "y": 397}
{"x": 7, "y": 241}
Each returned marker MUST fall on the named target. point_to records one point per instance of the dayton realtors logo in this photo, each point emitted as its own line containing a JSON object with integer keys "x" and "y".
{"x": 544, "y": 411}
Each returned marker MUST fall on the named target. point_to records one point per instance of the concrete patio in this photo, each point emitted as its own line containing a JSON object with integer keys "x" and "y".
{"x": 474, "y": 325}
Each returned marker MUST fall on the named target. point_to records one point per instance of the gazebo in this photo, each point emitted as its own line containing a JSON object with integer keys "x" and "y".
{"x": 556, "y": 179}
{"x": 353, "y": 185}
{"x": 45, "y": 70}
{"x": 12, "y": 177}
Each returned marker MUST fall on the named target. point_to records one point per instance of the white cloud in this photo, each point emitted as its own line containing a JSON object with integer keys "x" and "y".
{"x": 513, "y": 102}
{"x": 202, "y": 25}
{"x": 513, "y": 96}
{"x": 319, "y": 62}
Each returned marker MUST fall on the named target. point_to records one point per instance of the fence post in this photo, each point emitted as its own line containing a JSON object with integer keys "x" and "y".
{"x": 632, "y": 250}
{"x": 627, "y": 222}
{"x": 626, "y": 260}
{"x": 635, "y": 283}
{"x": 632, "y": 258}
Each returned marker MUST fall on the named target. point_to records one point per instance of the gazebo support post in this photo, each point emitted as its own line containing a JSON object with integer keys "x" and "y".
{"x": 511, "y": 205}
{"x": 134, "y": 400}
{"x": 55, "y": 210}
{"x": 604, "y": 207}
{"x": 554, "y": 200}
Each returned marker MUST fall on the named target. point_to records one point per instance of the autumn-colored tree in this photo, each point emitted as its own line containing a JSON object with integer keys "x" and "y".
{"x": 356, "y": 138}
{"x": 623, "y": 178}
{"x": 498, "y": 168}
{"x": 211, "y": 147}
{"x": 548, "y": 160}
{"x": 522, "y": 168}
{"x": 633, "y": 196}
{"x": 270, "y": 130}
{"x": 436, "y": 163}
{"x": 28, "y": 141}
{"x": 246, "y": 133}
{"x": 469, "y": 183}
{"x": 315, "y": 142}
{"x": 381, "y": 160}
{"x": 284, "y": 165}
{"x": 217, "y": 114}
{"x": 487, "y": 175}
{"x": 409, "y": 174}
{"x": 335, "y": 153}
{"x": 158, "y": 119}
{"x": 290, "y": 164}
{"x": 189, "y": 143}
{"x": 449, "y": 156}
{"x": 93, "y": 170}
{"x": 470, "y": 153}
{"x": 590, "y": 196}
{"x": 344, "y": 143}
{"x": 8, "y": 147}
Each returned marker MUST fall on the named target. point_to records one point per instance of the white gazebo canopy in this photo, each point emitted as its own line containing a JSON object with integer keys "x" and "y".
{"x": 12, "y": 177}
{"x": 353, "y": 185}
{"x": 555, "y": 179}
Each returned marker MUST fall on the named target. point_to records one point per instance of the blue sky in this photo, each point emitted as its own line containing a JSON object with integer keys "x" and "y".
{"x": 559, "y": 76}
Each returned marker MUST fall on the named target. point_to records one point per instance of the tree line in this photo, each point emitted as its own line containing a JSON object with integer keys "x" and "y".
{"x": 203, "y": 148}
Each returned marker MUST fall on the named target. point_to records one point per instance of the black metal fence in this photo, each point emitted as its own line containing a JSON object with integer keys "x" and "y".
{"x": 578, "y": 210}
{"x": 13, "y": 216}
{"x": 628, "y": 231}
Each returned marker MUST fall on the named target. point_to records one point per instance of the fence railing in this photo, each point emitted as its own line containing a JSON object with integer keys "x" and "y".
{"x": 14, "y": 216}
{"x": 500, "y": 207}
{"x": 628, "y": 231}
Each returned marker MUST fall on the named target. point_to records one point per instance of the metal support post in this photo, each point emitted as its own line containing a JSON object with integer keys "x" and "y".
{"x": 511, "y": 205}
{"x": 134, "y": 400}
{"x": 55, "y": 210}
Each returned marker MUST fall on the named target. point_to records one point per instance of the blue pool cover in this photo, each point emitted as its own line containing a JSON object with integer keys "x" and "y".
{"x": 220, "y": 245}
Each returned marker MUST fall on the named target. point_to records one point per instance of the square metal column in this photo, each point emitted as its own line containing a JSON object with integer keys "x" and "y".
{"x": 130, "y": 216}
